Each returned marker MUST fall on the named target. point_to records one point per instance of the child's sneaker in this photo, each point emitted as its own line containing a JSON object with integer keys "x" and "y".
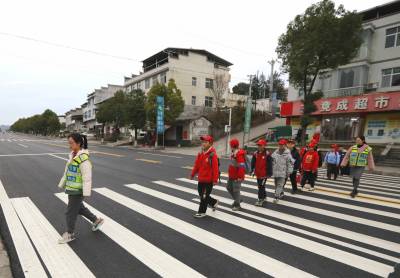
{"x": 97, "y": 224}
{"x": 214, "y": 207}
{"x": 66, "y": 237}
{"x": 312, "y": 189}
{"x": 199, "y": 215}
{"x": 276, "y": 199}
{"x": 236, "y": 208}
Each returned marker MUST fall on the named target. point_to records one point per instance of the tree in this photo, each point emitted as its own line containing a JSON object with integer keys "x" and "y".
{"x": 241, "y": 88}
{"x": 50, "y": 122}
{"x": 320, "y": 39}
{"x": 135, "y": 111}
{"x": 173, "y": 102}
{"x": 112, "y": 111}
{"x": 219, "y": 88}
{"x": 46, "y": 123}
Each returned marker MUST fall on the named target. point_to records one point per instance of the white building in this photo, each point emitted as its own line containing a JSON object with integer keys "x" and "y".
{"x": 93, "y": 100}
{"x": 193, "y": 70}
{"x": 373, "y": 78}
{"x": 73, "y": 120}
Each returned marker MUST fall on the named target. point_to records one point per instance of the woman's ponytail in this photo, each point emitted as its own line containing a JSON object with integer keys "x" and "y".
{"x": 84, "y": 142}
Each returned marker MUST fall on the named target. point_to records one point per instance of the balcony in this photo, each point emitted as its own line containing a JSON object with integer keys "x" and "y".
{"x": 345, "y": 92}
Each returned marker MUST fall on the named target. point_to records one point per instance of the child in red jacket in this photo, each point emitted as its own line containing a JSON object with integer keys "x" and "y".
{"x": 236, "y": 171}
{"x": 261, "y": 167}
{"x": 309, "y": 166}
{"x": 206, "y": 167}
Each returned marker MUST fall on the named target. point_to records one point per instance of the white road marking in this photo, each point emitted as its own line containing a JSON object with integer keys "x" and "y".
{"x": 338, "y": 255}
{"x": 241, "y": 253}
{"x": 156, "y": 259}
{"x": 342, "y": 216}
{"x": 63, "y": 158}
{"x": 28, "y": 154}
{"x": 23, "y": 145}
{"x": 27, "y": 257}
{"x": 388, "y": 245}
{"x": 60, "y": 259}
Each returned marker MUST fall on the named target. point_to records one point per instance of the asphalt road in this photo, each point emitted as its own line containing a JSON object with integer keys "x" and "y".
{"x": 150, "y": 230}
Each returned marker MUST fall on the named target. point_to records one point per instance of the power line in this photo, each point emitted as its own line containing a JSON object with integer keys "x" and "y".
{"x": 68, "y": 47}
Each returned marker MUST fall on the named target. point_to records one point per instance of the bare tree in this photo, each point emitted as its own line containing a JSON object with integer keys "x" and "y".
{"x": 218, "y": 89}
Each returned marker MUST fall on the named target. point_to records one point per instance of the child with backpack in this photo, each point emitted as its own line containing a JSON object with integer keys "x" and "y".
{"x": 332, "y": 161}
{"x": 207, "y": 169}
{"x": 261, "y": 167}
{"x": 236, "y": 173}
{"x": 282, "y": 167}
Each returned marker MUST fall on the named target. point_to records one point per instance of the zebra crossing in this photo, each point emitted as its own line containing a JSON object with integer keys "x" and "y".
{"x": 342, "y": 236}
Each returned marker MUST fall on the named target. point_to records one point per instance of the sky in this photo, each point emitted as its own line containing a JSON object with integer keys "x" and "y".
{"x": 35, "y": 76}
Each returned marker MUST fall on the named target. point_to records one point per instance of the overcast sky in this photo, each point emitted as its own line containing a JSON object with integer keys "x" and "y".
{"x": 35, "y": 76}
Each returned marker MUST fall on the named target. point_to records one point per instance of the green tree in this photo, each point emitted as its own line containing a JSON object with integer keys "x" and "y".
{"x": 242, "y": 88}
{"x": 50, "y": 122}
{"x": 173, "y": 102}
{"x": 135, "y": 110}
{"x": 320, "y": 39}
{"x": 46, "y": 123}
{"x": 113, "y": 111}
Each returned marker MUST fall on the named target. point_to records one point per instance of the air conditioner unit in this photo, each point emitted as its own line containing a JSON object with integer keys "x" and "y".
{"x": 372, "y": 86}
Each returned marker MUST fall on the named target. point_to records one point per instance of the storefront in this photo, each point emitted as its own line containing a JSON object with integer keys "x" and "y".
{"x": 376, "y": 115}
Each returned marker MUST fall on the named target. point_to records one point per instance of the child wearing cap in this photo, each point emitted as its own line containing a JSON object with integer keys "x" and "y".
{"x": 282, "y": 167}
{"x": 236, "y": 173}
{"x": 332, "y": 160}
{"x": 261, "y": 167}
{"x": 206, "y": 168}
{"x": 309, "y": 166}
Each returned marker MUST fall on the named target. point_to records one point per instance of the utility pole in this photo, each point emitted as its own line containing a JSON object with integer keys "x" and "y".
{"x": 272, "y": 96}
{"x": 228, "y": 138}
{"x": 248, "y": 117}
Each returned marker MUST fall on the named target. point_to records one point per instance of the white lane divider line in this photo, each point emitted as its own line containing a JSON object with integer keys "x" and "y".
{"x": 60, "y": 259}
{"x": 239, "y": 252}
{"x": 153, "y": 257}
{"x": 25, "y": 146}
{"x": 63, "y": 158}
{"x": 27, "y": 257}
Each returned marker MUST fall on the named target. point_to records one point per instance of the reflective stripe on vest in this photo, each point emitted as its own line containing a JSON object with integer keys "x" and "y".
{"x": 74, "y": 176}
{"x": 357, "y": 158}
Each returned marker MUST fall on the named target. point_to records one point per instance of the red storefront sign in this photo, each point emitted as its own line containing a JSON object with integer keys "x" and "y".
{"x": 376, "y": 102}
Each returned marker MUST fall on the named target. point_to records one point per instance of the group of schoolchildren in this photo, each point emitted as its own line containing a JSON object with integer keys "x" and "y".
{"x": 283, "y": 164}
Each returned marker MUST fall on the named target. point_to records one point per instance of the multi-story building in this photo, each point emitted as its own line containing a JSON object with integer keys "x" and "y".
{"x": 74, "y": 120}
{"x": 362, "y": 97}
{"x": 93, "y": 100}
{"x": 199, "y": 74}
{"x": 194, "y": 72}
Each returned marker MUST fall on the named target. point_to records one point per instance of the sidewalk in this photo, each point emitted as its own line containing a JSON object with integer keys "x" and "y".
{"x": 5, "y": 270}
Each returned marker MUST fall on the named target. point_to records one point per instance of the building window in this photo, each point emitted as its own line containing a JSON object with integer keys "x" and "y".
{"x": 155, "y": 80}
{"x": 193, "y": 100}
{"x": 208, "y": 102}
{"x": 147, "y": 83}
{"x": 139, "y": 85}
{"x": 209, "y": 83}
{"x": 369, "y": 133}
{"x": 390, "y": 77}
{"x": 163, "y": 78}
{"x": 347, "y": 78}
{"x": 194, "y": 81}
{"x": 381, "y": 132}
{"x": 392, "y": 37}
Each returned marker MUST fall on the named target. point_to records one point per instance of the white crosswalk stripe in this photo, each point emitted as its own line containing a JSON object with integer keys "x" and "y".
{"x": 307, "y": 222}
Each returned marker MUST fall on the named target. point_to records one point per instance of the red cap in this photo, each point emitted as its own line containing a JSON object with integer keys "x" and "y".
{"x": 261, "y": 142}
{"x": 282, "y": 142}
{"x": 334, "y": 146}
{"x": 312, "y": 144}
{"x": 207, "y": 138}
{"x": 234, "y": 143}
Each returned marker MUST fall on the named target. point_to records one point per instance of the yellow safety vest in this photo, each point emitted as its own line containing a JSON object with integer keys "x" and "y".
{"x": 74, "y": 183}
{"x": 359, "y": 158}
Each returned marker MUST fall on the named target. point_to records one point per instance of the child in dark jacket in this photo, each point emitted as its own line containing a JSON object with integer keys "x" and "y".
{"x": 261, "y": 167}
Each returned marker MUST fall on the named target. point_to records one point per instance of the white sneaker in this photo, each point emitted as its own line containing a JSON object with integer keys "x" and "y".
{"x": 66, "y": 237}
{"x": 236, "y": 208}
{"x": 312, "y": 189}
{"x": 97, "y": 224}
{"x": 199, "y": 215}
{"x": 276, "y": 200}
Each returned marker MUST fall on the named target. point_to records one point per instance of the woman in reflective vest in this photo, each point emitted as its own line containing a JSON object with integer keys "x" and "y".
{"x": 358, "y": 156}
{"x": 77, "y": 183}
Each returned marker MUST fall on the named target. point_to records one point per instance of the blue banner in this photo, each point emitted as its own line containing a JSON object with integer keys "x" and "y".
{"x": 160, "y": 115}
